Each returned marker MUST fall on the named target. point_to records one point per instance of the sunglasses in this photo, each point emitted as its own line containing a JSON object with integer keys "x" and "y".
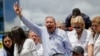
{"x": 77, "y": 27}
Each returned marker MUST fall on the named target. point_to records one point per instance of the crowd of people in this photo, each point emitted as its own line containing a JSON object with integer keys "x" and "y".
{"x": 78, "y": 36}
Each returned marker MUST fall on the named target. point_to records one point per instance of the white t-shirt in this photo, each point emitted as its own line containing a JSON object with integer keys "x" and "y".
{"x": 28, "y": 49}
{"x": 85, "y": 39}
{"x": 97, "y": 45}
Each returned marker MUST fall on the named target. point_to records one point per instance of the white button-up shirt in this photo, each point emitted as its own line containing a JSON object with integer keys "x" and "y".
{"x": 85, "y": 39}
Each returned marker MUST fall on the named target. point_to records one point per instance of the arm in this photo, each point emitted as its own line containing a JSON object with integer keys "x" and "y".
{"x": 90, "y": 46}
{"x": 31, "y": 26}
{"x": 35, "y": 28}
{"x": 90, "y": 50}
{"x": 29, "y": 48}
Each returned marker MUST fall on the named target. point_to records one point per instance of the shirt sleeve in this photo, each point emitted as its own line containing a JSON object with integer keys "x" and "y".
{"x": 31, "y": 26}
{"x": 67, "y": 45}
{"x": 29, "y": 48}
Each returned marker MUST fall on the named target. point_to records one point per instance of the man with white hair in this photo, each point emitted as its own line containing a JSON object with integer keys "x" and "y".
{"x": 54, "y": 40}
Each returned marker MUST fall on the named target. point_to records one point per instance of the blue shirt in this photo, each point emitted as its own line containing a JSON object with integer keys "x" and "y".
{"x": 56, "y": 42}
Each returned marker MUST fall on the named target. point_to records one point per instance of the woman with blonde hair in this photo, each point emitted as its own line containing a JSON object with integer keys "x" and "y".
{"x": 79, "y": 36}
{"x": 96, "y": 27}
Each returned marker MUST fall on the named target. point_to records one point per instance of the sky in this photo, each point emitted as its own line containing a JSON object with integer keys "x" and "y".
{"x": 37, "y": 10}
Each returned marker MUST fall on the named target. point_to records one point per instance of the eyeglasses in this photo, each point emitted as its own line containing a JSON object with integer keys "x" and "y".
{"x": 77, "y": 27}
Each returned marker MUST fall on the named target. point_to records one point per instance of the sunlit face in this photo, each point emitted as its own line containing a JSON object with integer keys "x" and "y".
{"x": 59, "y": 26}
{"x": 50, "y": 24}
{"x": 96, "y": 27}
{"x": 78, "y": 27}
{"x": 34, "y": 36}
{"x": 7, "y": 42}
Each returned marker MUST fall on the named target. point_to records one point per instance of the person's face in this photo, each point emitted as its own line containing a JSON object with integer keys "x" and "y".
{"x": 7, "y": 42}
{"x": 34, "y": 36}
{"x": 50, "y": 24}
{"x": 96, "y": 27}
{"x": 76, "y": 54}
{"x": 59, "y": 26}
{"x": 78, "y": 27}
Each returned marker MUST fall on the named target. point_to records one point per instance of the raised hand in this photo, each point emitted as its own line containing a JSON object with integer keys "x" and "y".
{"x": 17, "y": 9}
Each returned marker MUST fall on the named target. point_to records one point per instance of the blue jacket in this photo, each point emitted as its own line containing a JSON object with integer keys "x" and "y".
{"x": 85, "y": 17}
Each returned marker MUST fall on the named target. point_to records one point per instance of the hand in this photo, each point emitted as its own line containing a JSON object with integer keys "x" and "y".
{"x": 37, "y": 40}
{"x": 17, "y": 9}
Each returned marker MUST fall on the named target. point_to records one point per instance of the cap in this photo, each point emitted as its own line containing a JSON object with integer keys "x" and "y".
{"x": 78, "y": 49}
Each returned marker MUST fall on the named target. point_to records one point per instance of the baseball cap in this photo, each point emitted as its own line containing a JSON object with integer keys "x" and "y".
{"x": 78, "y": 49}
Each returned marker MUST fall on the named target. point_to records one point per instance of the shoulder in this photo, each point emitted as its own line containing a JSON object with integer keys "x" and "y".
{"x": 69, "y": 16}
{"x": 71, "y": 32}
{"x": 29, "y": 40}
{"x": 87, "y": 31}
{"x": 2, "y": 51}
{"x": 28, "y": 43}
{"x": 85, "y": 16}
{"x": 60, "y": 31}
{"x": 88, "y": 34}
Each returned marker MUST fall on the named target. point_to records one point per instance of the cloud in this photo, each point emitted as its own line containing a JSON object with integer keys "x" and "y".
{"x": 59, "y": 8}
{"x": 9, "y": 25}
{"x": 37, "y": 10}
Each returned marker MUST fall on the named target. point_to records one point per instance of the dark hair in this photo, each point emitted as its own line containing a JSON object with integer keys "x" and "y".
{"x": 78, "y": 49}
{"x": 76, "y": 12}
{"x": 19, "y": 37}
{"x": 10, "y": 50}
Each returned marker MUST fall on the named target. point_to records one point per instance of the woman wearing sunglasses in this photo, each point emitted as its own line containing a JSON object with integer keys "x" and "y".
{"x": 80, "y": 36}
